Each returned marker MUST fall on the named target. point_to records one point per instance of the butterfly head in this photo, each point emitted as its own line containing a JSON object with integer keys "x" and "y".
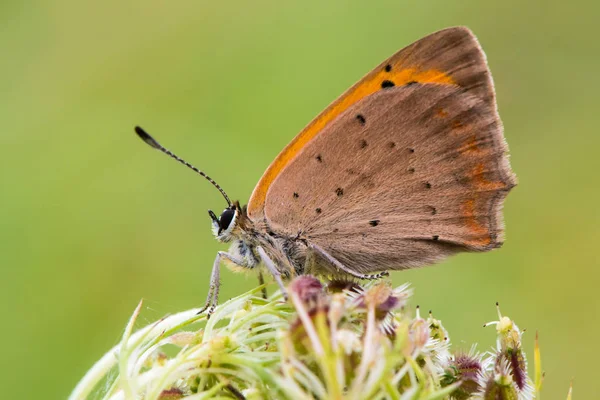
{"x": 223, "y": 227}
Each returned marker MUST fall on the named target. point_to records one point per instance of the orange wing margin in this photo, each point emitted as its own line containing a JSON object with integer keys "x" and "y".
{"x": 435, "y": 58}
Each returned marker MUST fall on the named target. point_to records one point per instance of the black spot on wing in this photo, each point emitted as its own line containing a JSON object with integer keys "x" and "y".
{"x": 339, "y": 192}
{"x": 319, "y": 158}
{"x": 374, "y": 222}
{"x": 388, "y": 68}
{"x": 435, "y": 237}
{"x": 427, "y": 185}
{"x": 387, "y": 84}
{"x": 318, "y": 210}
{"x": 296, "y": 195}
{"x": 361, "y": 119}
{"x": 363, "y": 144}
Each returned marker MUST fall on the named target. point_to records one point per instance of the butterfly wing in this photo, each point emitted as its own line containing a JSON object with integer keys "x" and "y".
{"x": 402, "y": 178}
{"x": 405, "y": 168}
{"x": 451, "y": 56}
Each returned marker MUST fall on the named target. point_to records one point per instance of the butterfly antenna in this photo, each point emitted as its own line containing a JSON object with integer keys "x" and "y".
{"x": 153, "y": 143}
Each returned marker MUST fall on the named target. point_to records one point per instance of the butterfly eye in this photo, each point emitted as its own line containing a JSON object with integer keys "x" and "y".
{"x": 226, "y": 218}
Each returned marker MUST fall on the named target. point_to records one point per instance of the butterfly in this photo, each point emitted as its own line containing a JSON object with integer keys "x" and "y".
{"x": 406, "y": 168}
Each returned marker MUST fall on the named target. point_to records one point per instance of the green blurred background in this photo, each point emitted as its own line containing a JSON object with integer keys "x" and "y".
{"x": 93, "y": 220}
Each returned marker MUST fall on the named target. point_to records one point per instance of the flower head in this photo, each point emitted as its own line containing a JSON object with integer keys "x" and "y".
{"x": 467, "y": 369}
{"x": 334, "y": 341}
{"x": 499, "y": 384}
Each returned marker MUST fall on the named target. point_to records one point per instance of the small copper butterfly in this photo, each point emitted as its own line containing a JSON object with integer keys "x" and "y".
{"x": 407, "y": 167}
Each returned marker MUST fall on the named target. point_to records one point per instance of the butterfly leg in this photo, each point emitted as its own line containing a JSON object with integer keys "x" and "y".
{"x": 319, "y": 250}
{"x": 272, "y": 269}
{"x": 213, "y": 292}
{"x": 261, "y": 281}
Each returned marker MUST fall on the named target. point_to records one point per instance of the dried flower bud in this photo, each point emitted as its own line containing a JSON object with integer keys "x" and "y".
{"x": 312, "y": 306}
{"x": 379, "y": 296}
{"x": 382, "y": 297}
{"x": 308, "y": 288}
{"x": 466, "y": 368}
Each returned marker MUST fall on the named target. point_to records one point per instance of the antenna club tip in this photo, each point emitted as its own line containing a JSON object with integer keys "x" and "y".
{"x": 146, "y": 137}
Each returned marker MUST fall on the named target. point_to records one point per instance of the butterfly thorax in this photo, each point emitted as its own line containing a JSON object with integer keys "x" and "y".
{"x": 287, "y": 252}
{"x": 245, "y": 236}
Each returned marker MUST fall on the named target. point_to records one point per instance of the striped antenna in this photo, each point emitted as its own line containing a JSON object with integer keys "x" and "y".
{"x": 153, "y": 143}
